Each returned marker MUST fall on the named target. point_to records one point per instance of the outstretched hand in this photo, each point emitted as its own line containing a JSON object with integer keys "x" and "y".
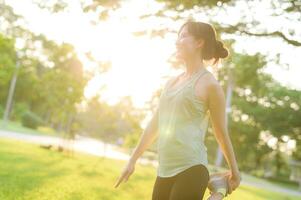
{"x": 126, "y": 173}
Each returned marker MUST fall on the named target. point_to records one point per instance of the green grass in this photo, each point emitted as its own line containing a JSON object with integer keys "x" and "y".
{"x": 17, "y": 127}
{"x": 29, "y": 172}
{"x": 293, "y": 186}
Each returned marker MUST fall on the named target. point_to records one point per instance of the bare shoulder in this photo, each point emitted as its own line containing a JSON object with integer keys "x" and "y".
{"x": 209, "y": 83}
{"x": 215, "y": 91}
{"x": 211, "y": 80}
{"x": 204, "y": 87}
{"x": 207, "y": 80}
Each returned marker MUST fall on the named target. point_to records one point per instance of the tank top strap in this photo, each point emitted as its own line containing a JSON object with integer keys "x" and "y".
{"x": 196, "y": 78}
{"x": 170, "y": 81}
{"x": 167, "y": 85}
{"x": 191, "y": 90}
{"x": 188, "y": 83}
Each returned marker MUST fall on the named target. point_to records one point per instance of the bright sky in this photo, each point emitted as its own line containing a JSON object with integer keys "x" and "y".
{"x": 139, "y": 65}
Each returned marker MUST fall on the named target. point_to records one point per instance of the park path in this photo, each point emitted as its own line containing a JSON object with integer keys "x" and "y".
{"x": 81, "y": 144}
{"x": 99, "y": 148}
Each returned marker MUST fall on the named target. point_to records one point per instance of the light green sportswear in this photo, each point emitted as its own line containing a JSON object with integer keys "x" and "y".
{"x": 183, "y": 121}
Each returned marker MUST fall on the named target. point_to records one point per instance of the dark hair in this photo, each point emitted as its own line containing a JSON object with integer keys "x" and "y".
{"x": 212, "y": 48}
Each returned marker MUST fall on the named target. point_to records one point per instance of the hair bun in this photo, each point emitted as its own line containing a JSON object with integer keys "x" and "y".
{"x": 220, "y": 50}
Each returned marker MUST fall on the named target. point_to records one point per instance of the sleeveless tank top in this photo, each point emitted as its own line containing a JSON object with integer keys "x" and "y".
{"x": 183, "y": 121}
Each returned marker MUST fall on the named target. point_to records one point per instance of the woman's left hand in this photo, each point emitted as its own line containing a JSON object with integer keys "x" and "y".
{"x": 233, "y": 181}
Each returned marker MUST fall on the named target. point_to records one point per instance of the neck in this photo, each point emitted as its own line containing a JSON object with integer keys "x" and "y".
{"x": 193, "y": 65}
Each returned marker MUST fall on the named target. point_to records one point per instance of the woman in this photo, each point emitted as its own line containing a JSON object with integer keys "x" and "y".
{"x": 181, "y": 120}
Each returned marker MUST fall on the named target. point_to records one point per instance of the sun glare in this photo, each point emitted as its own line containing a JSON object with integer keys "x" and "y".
{"x": 138, "y": 63}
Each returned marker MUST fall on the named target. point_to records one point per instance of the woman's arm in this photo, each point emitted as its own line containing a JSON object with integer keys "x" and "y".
{"x": 218, "y": 118}
{"x": 149, "y": 135}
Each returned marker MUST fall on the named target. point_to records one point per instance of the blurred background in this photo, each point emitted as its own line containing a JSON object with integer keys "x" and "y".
{"x": 80, "y": 80}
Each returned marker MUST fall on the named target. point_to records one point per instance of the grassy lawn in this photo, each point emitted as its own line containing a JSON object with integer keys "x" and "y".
{"x": 17, "y": 127}
{"x": 254, "y": 179}
{"x": 29, "y": 172}
{"x": 293, "y": 186}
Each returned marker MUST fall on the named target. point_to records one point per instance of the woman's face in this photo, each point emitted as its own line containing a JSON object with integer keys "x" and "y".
{"x": 186, "y": 45}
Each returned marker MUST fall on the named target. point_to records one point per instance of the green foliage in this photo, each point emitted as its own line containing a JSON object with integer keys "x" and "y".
{"x": 259, "y": 104}
{"x": 189, "y": 4}
{"x": 19, "y": 110}
{"x": 131, "y": 140}
{"x": 297, "y": 153}
{"x": 53, "y": 6}
{"x": 1, "y": 110}
{"x": 7, "y": 52}
{"x": 31, "y": 120}
{"x": 52, "y": 93}
{"x": 46, "y": 130}
{"x": 7, "y": 65}
{"x": 107, "y": 122}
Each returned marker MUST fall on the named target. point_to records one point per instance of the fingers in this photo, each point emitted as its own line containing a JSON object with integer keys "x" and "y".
{"x": 232, "y": 183}
{"x": 230, "y": 187}
{"x": 126, "y": 173}
{"x": 230, "y": 190}
{"x": 124, "y": 177}
{"x": 120, "y": 179}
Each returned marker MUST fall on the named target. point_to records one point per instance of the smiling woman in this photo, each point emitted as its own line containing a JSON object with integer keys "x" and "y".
{"x": 211, "y": 47}
{"x": 181, "y": 120}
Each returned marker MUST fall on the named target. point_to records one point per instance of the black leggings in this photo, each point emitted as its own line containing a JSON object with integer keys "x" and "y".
{"x": 189, "y": 184}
